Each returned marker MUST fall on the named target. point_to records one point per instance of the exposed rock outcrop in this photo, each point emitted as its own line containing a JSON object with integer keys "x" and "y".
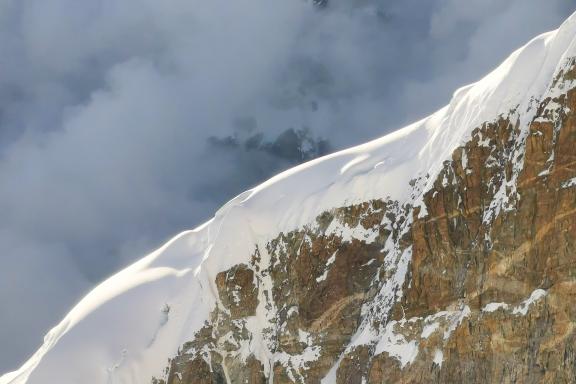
{"x": 474, "y": 283}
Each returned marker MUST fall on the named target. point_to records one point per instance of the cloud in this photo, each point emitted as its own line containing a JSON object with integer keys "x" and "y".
{"x": 110, "y": 113}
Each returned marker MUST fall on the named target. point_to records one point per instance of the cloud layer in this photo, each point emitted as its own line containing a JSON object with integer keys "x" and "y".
{"x": 113, "y": 115}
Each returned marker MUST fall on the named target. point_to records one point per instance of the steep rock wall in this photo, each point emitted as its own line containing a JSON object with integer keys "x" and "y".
{"x": 474, "y": 284}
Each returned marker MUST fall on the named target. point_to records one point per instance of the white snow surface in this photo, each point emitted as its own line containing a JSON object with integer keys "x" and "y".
{"x": 523, "y": 307}
{"x": 396, "y": 345}
{"x": 569, "y": 183}
{"x": 520, "y": 309}
{"x": 438, "y": 357}
{"x": 493, "y": 307}
{"x": 127, "y": 327}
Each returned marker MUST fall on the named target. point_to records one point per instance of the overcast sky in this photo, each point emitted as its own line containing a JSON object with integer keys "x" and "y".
{"x": 125, "y": 122}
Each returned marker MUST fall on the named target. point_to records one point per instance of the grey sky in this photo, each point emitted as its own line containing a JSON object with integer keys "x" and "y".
{"x": 107, "y": 109}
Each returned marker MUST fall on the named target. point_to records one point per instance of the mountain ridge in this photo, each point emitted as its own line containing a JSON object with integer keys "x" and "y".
{"x": 377, "y": 203}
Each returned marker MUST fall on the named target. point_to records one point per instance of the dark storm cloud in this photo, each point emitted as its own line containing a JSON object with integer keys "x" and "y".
{"x": 123, "y": 122}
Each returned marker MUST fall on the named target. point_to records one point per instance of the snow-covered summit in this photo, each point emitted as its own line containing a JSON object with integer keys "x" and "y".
{"x": 126, "y": 329}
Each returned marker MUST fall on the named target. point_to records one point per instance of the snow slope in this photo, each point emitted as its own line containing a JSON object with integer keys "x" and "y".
{"x": 126, "y": 328}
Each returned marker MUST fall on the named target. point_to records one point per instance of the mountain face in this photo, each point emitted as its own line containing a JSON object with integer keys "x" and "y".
{"x": 443, "y": 252}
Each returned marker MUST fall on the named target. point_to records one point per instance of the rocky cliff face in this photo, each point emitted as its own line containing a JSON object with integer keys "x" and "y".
{"x": 474, "y": 282}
